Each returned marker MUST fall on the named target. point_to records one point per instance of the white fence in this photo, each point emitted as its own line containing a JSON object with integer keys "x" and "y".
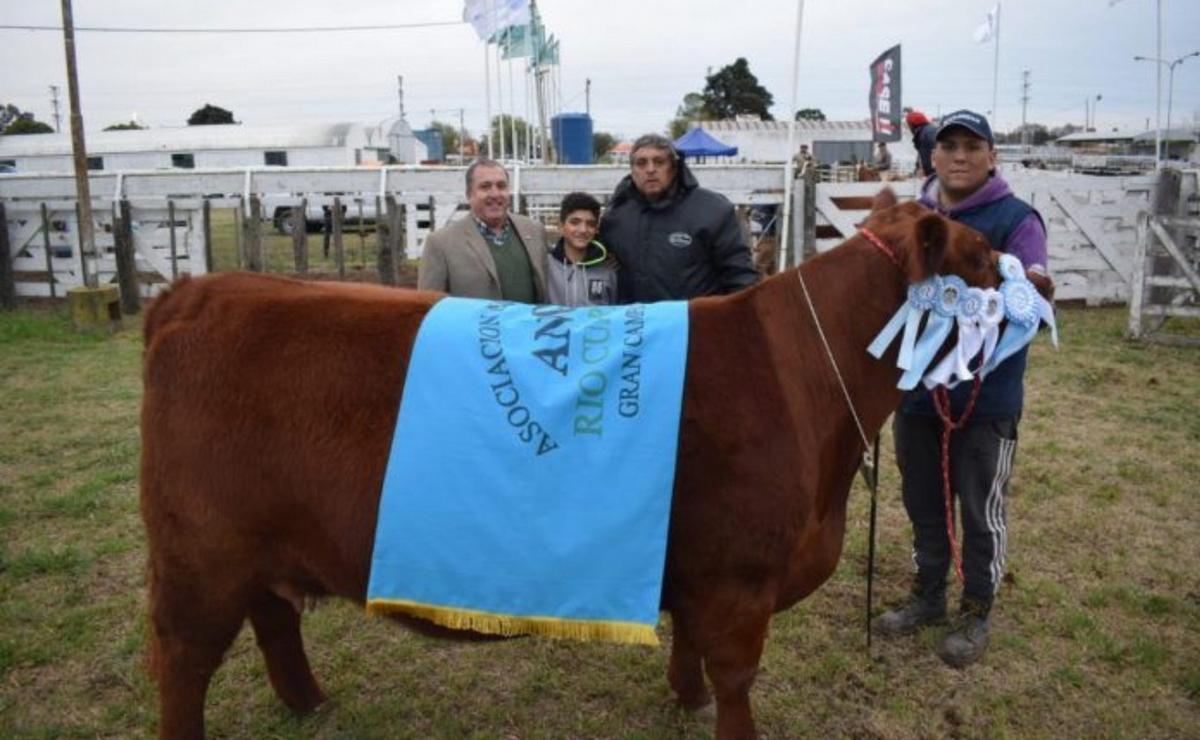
{"x": 1091, "y": 225}
{"x": 1091, "y": 221}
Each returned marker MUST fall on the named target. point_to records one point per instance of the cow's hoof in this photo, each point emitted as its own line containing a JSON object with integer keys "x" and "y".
{"x": 697, "y": 704}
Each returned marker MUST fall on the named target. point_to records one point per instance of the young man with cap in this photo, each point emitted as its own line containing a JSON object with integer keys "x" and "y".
{"x": 924, "y": 136}
{"x": 966, "y": 188}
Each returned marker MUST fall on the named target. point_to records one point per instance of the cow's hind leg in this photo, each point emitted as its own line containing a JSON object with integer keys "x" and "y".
{"x": 189, "y": 636}
{"x": 685, "y": 672}
{"x": 277, "y": 629}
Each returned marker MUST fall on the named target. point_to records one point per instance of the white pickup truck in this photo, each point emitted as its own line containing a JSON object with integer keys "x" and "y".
{"x": 354, "y": 209}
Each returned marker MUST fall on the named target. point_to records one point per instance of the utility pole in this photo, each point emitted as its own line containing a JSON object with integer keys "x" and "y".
{"x": 54, "y": 104}
{"x": 400, "y": 93}
{"x": 462, "y": 136}
{"x": 1024, "y": 107}
{"x": 87, "y": 238}
{"x": 587, "y": 96}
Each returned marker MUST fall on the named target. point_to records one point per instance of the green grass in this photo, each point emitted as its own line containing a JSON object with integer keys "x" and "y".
{"x": 1096, "y": 631}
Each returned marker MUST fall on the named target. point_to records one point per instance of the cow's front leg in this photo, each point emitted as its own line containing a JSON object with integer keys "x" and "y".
{"x": 731, "y": 658}
{"x": 685, "y": 673}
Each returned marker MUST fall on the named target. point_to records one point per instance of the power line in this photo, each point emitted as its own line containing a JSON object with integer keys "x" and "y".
{"x": 297, "y": 29}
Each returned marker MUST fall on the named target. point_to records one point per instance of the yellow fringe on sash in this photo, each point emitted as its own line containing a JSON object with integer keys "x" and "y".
{"x": 508, "y": 625}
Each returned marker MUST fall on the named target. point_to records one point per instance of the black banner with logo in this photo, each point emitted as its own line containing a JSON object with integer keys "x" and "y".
{"x": 884, "y": 99}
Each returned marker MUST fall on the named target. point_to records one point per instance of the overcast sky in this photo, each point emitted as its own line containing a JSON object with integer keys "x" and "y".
{"x": 641, "y": 55}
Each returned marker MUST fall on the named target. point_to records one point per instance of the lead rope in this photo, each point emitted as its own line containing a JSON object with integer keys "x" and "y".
{"x": 941, "y": 402}
{"x": 870, "y": 462}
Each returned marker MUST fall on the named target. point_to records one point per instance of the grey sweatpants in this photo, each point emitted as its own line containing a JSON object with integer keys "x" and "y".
{"x": 981, "y": 463}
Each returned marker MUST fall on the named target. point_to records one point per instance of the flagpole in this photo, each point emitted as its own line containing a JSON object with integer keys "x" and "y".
{"x": 512, "y": 117}
{"x": 788, "y": 171}
{"x": 996, "y": 70}
{"x": 499, "y": 100}
{"x": 1158, "y": 86}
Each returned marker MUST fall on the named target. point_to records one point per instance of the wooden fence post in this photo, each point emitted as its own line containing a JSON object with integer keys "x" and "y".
{"x": 83, "y": 268}
{"x": 362, "y": 237}
{"x": 383, "y": 235}
{"x": 174, "y": 253}
{"x": 300, "y": 236}
{"x": 339, "y": 248}
{"x": 49, "y": 253}
{"x": 239, "y": 235}
{"x": 253, "y": 229}
{"x": 8, "y": 282}
{"x": 398, "y": 213}
{"x": 206, "y": 219}
{"x": 131, "y": 302}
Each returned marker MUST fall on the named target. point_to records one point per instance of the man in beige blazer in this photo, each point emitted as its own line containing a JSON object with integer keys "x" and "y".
{"x": 490, "y": 253}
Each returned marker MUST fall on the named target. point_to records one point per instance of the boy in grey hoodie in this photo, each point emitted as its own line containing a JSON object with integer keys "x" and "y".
{"x": 580, "y": 271}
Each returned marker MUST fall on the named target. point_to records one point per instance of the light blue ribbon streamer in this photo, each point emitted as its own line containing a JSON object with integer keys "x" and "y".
{"x": 936, "y": 331}
{"x": 884, "y": 339}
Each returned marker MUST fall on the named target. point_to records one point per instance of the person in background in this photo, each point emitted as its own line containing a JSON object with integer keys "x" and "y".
{"x": 580, "y": 271}
{"x": 803, "y": 161}
{"x": 883, "y": 158}
{"x": 966, "y": 188}
{"x": 490, "y": 254}
{"x": 924, "y": 138}
{"x": 675, "y": 240}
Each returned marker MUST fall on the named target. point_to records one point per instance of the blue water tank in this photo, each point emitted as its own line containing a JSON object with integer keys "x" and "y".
{"x": 432, "y": 139}
{"x": 572, "y": 134}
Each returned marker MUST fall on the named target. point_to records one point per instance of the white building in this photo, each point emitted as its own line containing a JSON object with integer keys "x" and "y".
{"x": 220, "y": 146}
{"x": 829, "y": 141}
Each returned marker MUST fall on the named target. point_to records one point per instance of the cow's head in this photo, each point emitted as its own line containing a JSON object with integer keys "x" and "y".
{"x": 928, "y": 244}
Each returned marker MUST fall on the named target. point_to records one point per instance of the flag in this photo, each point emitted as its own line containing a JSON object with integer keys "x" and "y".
{"x": 547, "y": 52}
{"x": 514, "y": 42}
{"x": 987, "y": 29}
{"x": 488, "y": 17}
{"x": 884, "y": 97}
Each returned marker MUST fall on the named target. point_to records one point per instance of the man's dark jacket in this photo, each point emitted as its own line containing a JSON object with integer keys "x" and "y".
{"x": 686, "y": 244}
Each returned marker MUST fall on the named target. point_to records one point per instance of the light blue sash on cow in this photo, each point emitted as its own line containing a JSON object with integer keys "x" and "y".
{"x": 529, "y": 485}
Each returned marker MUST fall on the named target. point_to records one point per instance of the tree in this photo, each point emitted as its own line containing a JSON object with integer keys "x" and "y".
{"x": 692, "y": 109}
{"x": 810, "y": 114}
{"x": 13, "y": 120}
{"x": 510, "y": 148}
{"x": 733, "y": 91}
{"x": 450, "y": 136}
{"x": 131, "y": 126}
{"x": 602, "y": 144}
{"x": 27, "y": 126}
{"x": 210, "y": 115}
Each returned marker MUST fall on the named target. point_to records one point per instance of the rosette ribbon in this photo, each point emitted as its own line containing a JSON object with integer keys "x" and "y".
{"x": 1025, "y": 310}
{"x": 977, "y": 313}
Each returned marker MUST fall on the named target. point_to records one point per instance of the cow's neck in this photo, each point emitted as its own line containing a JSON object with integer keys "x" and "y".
{"x": 854, "y": 289}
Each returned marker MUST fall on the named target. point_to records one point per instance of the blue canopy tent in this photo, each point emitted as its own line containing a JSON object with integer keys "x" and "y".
{"x": 699, "y": 143}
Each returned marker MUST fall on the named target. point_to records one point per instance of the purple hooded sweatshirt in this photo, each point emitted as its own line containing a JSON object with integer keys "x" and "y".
{"x": 1026, "y": 242}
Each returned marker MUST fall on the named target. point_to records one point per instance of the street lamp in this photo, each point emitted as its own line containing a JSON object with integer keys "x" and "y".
{"x": 1170, "y": 90}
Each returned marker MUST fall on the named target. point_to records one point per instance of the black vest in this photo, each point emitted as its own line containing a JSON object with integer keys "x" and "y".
{"x": 1003, "y": 392}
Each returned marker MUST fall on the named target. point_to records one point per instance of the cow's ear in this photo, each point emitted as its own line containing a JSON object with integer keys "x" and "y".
{"x": 883, "y": 199}
{"x": 930, "y": 235}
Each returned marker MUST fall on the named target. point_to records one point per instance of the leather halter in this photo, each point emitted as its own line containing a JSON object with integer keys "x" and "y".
{"x": 881, "y": 245}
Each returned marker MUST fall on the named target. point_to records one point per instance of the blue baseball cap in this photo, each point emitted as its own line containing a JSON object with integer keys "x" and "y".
{"x": 971, "y": 121}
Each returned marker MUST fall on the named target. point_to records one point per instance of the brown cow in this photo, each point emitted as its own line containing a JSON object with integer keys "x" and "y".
{"x": 270, "y": 405}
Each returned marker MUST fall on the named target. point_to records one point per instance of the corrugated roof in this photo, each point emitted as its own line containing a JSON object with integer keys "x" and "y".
{"x": 806, "y": 126}
{"x": 1174, "y": 134}
{"x": 1098, "y": 136}
{"x": 184, "y": 138}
